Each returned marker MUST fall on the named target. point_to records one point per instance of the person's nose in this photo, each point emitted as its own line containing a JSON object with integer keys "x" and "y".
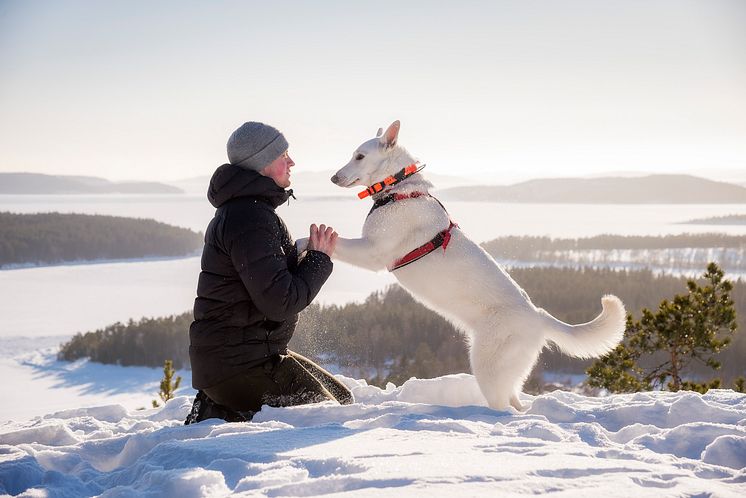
{"x": 291, "y": 163}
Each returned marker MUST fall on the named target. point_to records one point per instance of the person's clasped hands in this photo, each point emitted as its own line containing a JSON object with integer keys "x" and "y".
{"x": 322, "y": 239}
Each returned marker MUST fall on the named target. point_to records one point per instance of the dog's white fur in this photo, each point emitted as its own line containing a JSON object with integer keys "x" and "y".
{"x": 464, "y": 284}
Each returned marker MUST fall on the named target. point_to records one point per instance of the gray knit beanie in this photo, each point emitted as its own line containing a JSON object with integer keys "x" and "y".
{"x": 254, "y": 145}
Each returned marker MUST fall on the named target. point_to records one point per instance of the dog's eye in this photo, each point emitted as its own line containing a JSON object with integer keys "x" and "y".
{"x": 359, "y": 157}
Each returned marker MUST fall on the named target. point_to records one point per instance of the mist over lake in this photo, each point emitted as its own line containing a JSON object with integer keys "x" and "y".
{"x": 62, "y": 300}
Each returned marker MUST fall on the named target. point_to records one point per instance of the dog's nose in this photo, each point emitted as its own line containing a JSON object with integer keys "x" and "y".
{"x": 335, "y": 179}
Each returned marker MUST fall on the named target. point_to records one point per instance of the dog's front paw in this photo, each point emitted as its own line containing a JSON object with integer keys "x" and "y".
{"x": 301, "y": 245}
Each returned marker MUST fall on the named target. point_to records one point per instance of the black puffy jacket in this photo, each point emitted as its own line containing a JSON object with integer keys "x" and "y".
{"x": 252, "y": 286}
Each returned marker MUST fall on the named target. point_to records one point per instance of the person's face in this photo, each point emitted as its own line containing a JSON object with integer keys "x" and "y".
{"x": 279, "y": 170}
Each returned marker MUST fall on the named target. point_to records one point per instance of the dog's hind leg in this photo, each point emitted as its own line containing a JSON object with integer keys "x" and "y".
{"x": 501, "y": 360}
{"x": 516, "y": 403}
{"x": 488, "y": 364}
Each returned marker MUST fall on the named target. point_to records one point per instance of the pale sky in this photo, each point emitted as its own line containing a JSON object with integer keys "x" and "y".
{"x": 151, "y": 90}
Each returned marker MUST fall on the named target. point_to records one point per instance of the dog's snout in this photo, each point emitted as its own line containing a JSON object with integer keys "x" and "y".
{"x": 335, "y": 179}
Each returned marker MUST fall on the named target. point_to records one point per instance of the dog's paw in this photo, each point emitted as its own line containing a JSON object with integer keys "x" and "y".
{"x": 301, "y": 245}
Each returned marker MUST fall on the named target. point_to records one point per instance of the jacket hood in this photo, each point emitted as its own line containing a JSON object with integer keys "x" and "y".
{"x": 230, "y": 182}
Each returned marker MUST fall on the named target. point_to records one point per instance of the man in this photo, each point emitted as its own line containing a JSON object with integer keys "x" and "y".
{"x": 252, "y": 287}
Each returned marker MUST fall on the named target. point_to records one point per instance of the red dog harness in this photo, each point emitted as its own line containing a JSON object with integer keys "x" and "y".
{"x": 441, "y": 239}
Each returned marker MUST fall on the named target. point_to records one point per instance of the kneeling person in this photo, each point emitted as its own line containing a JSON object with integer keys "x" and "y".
{"x": 252, "y": 287}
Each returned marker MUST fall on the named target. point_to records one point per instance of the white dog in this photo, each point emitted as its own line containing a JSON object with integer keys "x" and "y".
{"x": 410, "y": 233}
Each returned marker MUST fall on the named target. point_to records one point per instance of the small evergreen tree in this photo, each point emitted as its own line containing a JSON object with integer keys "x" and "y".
{"x": 688, "y": 328}
{"x": 168, "y": 384}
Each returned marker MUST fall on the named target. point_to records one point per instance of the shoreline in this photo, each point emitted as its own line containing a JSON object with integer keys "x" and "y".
{"x": 90, "y": 262}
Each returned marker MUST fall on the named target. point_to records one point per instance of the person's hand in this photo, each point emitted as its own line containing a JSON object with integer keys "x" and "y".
{"x": 323, "y": 239}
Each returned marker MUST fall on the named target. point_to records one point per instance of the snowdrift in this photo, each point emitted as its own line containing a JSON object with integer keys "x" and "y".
{"x": 431, "y": 437}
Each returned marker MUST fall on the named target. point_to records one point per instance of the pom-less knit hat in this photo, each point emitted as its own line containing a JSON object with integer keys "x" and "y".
{"x": 254, "y": 145}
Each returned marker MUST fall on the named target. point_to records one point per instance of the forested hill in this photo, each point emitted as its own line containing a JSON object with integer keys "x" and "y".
{"x": 653, "y": 189}
{"x": 731, "y": 219}
{"x": 54, "y": 238}
{"x": 35, "y": 183}
{"x": 390, "y": 337}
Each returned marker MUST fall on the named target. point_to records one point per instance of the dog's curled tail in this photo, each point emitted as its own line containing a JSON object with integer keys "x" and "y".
{"x": 592, "y": 339}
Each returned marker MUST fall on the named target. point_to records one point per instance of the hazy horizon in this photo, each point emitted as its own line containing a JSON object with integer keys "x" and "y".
{"x": 502, "y": 91}
{"x": 734, "y": 176}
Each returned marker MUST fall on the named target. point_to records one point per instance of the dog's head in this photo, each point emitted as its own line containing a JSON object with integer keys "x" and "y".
{"x": 374, "y": 160}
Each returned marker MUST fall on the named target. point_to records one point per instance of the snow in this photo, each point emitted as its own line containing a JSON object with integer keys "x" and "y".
{"x": 433, "y": 437}
{"x": 35, "y": 383}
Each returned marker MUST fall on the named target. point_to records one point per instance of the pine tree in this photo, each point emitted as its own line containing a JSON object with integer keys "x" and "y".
{"x": 168, "y": 384}
{"x": 693, "y": 326}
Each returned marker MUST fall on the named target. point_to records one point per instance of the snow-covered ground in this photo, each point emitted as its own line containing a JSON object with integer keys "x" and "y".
{"x": 34, "y": 383}
{"x": 425, "y": 438}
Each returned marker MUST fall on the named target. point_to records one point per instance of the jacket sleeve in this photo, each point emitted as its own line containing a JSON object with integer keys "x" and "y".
{"x": 277, "y": 292}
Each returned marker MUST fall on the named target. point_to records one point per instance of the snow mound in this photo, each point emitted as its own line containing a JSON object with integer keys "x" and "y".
{"x": 433, "y": 437}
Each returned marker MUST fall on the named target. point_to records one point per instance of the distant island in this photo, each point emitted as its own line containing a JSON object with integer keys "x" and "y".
{"x": 54, "y": 238}
{"x": 523, "y": 246}
{"x": 36, "y": 183}
{"x": 653, "y": 189}
{"x": 682, "y": 252}
{"x": 731, "y": 219}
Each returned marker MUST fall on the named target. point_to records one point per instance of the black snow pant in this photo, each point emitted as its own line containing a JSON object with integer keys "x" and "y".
{"x": 284, "y": 380}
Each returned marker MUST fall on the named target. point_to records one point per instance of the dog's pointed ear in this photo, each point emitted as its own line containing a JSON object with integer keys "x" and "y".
{"x": 379, "y": 132}
{"x": 392, "y": 133}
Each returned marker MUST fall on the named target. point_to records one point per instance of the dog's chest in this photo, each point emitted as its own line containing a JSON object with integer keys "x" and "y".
{"x": 405, "y": 224}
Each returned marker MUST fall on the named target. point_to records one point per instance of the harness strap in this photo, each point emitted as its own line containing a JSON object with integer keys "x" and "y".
{"x": 441, "y": 239}
{"x": 396, "y": 197}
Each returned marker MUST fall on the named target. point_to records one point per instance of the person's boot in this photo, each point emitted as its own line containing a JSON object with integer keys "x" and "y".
{"x": 204, "y": 408}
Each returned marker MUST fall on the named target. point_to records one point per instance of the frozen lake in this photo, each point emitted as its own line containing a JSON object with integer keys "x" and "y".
{"x": 63, "y": 300}
{"x": 482, "y": 220}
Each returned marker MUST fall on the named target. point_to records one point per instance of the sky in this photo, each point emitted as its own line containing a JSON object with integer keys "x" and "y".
{"x": 495, "y": 90}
